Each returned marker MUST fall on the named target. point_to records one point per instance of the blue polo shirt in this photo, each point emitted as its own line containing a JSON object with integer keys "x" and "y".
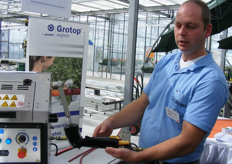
{"x": 195, "y": 94}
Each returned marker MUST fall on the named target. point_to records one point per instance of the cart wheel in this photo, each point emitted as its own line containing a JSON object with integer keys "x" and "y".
{"x": 134, "y": 130}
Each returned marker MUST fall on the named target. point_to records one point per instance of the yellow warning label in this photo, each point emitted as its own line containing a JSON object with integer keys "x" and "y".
{"x": 14, "y": 97}
{"x": 13, "y": 104}
{"x": 5, "y": 104}
{"x": 6, "y": 97}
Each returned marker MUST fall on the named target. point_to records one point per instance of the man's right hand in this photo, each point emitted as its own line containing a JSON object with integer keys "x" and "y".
{"x": 131, "y": 114}
{"x": 105, "y": 129}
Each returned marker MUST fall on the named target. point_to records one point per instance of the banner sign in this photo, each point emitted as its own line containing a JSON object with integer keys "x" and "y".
{"x": 60, "y": 8}
{"x": 67, "y": 42}
{"x": 57, "y": 38}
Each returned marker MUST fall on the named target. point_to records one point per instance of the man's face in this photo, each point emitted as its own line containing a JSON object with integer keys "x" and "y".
{"x": 190, "y": 33}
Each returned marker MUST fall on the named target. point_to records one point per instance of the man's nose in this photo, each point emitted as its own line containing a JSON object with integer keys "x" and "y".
{"x": 183, "y": 30}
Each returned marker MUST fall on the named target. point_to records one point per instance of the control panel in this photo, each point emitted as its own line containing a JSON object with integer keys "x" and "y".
{"x": 22, "y": 143}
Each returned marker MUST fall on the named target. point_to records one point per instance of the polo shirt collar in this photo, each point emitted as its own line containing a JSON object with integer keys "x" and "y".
{"x": 207, "y": 59}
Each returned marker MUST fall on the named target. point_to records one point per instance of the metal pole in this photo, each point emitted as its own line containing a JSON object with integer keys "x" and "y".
{"x": 103, "y": 47}
{"x": 130, "y": 60}
{"x": 123, "y": 38}
{"x": 0, "y": 38}
{"x": 109, "y": 44}
{"x": 94, "y": 45}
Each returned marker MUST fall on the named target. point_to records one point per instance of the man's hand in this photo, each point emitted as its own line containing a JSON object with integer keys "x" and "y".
{"x": 103, "y": 130}
{"x": 185, "y": 143}
{"x": 123, "y": 154}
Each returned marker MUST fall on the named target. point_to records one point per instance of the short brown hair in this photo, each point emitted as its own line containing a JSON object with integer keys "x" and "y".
{"x": 33, "y": 60}
{"x": 206, "y": 15}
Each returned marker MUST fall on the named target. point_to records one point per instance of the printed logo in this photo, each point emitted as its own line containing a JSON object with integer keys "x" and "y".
{"x": 61, "y": 31}
{"x": 50, "y": 27}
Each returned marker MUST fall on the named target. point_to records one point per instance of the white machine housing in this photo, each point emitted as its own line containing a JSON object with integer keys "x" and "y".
{"x": 24, "y": 117}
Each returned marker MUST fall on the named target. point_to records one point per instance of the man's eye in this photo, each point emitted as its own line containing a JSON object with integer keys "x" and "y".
{"x": 191, "y": 27}
{"x": 178, "y": 26}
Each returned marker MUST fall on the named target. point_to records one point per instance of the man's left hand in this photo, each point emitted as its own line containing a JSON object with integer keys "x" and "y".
{"x": 123, "y": 154}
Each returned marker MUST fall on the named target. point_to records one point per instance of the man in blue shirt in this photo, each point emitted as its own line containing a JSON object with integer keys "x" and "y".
{"x": 180, "y": 104}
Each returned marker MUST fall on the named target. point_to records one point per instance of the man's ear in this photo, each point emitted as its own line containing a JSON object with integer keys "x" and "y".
{"x": 208, "y": 30}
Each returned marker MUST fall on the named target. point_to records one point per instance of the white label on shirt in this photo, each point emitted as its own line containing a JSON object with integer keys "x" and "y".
{"x": 173, "y": 114}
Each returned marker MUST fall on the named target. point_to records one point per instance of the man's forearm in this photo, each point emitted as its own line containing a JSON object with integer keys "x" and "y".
{"x": 130, "y": 114}
{"x": 185, "y": 143}
{"x": 169, "y": 149}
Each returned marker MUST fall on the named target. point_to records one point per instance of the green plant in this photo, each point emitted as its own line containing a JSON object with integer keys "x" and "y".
{"x": 123, "y": 62}
{"x": 147, "y": 69}
{"x": 65, "y": 68}
{"x": 113, "y": 61}
{"x": 228, "y": 72}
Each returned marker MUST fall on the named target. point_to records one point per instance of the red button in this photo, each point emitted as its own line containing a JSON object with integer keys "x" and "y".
{"x": 21, "y": 154}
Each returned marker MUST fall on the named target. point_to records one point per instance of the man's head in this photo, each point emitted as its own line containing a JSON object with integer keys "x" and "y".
{"x": 192, "y": 27}
{"x": 206, "y": 15}
{"x": 40, "y": 63}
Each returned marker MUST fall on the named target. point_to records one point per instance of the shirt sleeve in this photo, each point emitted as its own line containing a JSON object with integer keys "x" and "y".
{"x": 206, "y": 103}
{"x": 149, "y": 84}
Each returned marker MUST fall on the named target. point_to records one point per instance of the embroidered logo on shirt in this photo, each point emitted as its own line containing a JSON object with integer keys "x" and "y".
{"x": 178, "y": 102}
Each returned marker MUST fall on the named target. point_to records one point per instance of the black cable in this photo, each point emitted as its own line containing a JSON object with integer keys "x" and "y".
{"x": 64, "y": 150}
{"x": 112, "y": 161}
{"x": 56, "y": 148}
{"x": 133, "y": 144}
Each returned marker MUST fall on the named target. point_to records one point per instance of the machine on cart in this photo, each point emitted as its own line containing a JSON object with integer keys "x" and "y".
{"x": 24, "y": 117}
